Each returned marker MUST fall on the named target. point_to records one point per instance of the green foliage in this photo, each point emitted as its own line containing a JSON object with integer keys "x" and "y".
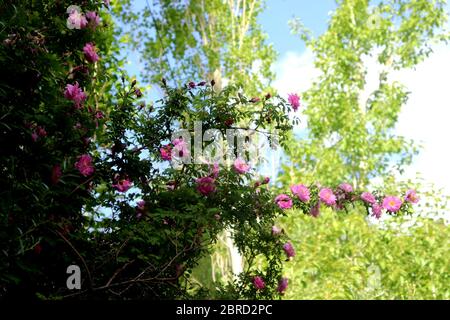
{"x": 186, "y": 40}
{"x": 350, "y": 139}
{"x": 344, "y": 257}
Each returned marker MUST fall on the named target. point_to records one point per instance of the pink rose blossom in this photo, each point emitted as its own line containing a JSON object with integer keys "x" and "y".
{"x": 368, "y": 197}
{"x": 377, "y": 210}
{"x": 327, "y": 196}
{"x": 94, "y": 19}
{"x": 282, "y": 285}
{"x": 301, "y": 191}
{"x": 166, "y": 152}
{"x": 90, "y": 52}
{"x": 411, "y": 196}
{"x": 266, "y": 180}
{"x": 289, "y": 250}
{"x": 283, "y": 201}
{"x": 180, "y": 148}
{"x": 346, "y": 187}
{"x": 240, "y": 166}
{"x": 294, "y": 100}
{"x": 259, "y": 283}
{"x": 84, "y": 165}
{"x": 76, "y": 19}
{"x": 276, "y": 231}
{"x": 75, "y": 93}
{"x": 206, "y": 185}
{"x": 123, "y": 185}
{"x": 392, "y": 203}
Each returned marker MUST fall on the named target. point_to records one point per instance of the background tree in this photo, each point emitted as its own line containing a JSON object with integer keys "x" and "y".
{"x": 347, "y": 138}
{"x": 185, "y": 41}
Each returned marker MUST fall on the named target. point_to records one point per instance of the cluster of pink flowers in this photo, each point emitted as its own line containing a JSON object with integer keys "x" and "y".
{"x": 411, "y": 196}
{"x": 84, "y": 165}
{"x": 283, "y": 201}
{"x": 344, "y": 192}
{"x": 90, "y": 52}
{"x": 392, "y": 203}
{"x": 294, "y": 100}
{"x": 76, "y": 94}
{"x": 346, "y": 187}
{"x": 327, "y": 196}
{"x": 206, "y": 185}
{"x": 301, "y": 191}
{"x": 123, "y": 185}
{"x": 240, "y": 166}
{"x": 77, "y": 20}
{"x": 178, "y": 148}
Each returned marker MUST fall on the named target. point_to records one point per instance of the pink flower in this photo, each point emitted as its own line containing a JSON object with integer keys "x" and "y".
{"x": 315, "y": 210}
{"x": 276, "y": 231}
{"x": 259, "y": 283}
{"x": 123, "y": 185}
{"x": 301, "y": 191}
{"x": 166, "y": 152}
{"x": 289, "y": 250}
{"x": 346, "y": 187}
{"x": 411, "y": 196}
{"x": 266, "y": 180}
{"x": 90, "y": 52}
{"x": 75, "y": 93}
{"x": 180, "y": 147}
{"x": 327, "y": 196}
{"x": 392, "y": 203}
{"x": 206, "y": 185}
{"x": 282, "y": 285}
{"x": 76, "y": 19}
{"x": 283, "y": 201}
{"x": 240, "y": 166}
{"x": 94, "y": 19}
{"x": 84, "y": 165}
{"x": 56, "y": 174}
{"x": 294, "y": 100}
{"x": 254, "y": 100}
{"x": 368, "y": 197}
{"x": 377, "y": 210}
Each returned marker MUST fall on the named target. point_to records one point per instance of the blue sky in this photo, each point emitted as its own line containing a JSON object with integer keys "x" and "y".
{"x": 314, "y": 15}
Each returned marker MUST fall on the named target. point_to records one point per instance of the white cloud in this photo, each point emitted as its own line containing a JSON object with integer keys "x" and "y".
{"x": 425, "y": 118}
